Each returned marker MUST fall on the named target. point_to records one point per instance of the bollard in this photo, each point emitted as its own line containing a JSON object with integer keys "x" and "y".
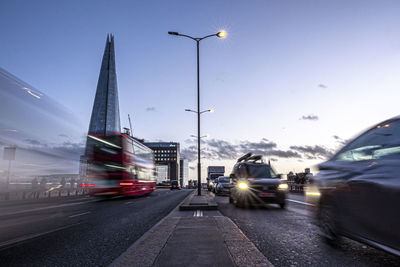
{"x": 68, "y": 192}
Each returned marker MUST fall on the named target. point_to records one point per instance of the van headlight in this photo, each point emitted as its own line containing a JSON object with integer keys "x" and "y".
{"x": 243, "y": 185}
{"x": 283, "y": 187}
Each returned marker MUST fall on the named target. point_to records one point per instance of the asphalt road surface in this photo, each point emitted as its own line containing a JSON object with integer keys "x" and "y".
{"x": 80, "y": 231}
{"x": 290, "y": 238}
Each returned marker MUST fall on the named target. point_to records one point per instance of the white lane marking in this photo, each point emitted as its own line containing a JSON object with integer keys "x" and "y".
{"x": 79, "y": 214}
{"x": 300, "y": 202}
{"x": 126, "y": 203}
{"x": 198, "y": 213}
{"x": 31, "y": 236}
{"x": 48, "y": 207}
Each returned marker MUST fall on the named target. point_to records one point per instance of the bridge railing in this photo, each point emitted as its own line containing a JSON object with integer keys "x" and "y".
{"x": 41, "y": 193}
{"x": 296, "y": 188}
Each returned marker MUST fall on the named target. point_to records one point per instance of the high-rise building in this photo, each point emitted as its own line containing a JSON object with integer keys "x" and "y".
{"x": 184, "y": 172}
{"x": 105, "y": 114}
{"x": 166, "y": 153}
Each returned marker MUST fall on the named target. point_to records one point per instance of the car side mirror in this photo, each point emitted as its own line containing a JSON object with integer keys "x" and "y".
{"x": 232, "y": 176}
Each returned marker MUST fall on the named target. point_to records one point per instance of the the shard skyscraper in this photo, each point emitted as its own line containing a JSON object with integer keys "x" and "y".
{"x": 105, "y": 114}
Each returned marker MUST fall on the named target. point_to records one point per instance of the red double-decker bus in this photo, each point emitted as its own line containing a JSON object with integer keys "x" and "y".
{"x": 119, "y": 165}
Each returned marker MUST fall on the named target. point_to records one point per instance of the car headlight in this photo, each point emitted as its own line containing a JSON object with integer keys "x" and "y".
{"x": 243, "y": 185}
{"x": 312, "y": 191}
{"x": 211, "y": 183}
{"x": 283, "y": 187}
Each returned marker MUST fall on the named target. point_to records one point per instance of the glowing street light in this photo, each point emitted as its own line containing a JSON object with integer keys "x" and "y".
{"x": 220, "y": 34}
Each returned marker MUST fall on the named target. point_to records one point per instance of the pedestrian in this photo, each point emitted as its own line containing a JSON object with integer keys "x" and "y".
{"x": 63, "y": 182}
{"x": 34, "y": 184}
{"x": 72, "y": 183}
{"x": 43, "y": 183}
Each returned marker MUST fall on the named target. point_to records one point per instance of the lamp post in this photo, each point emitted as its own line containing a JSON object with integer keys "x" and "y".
{"x": 221, "y": 34}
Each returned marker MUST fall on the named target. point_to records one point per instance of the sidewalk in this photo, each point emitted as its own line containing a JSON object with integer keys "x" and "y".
{"x": 187, "y": 238}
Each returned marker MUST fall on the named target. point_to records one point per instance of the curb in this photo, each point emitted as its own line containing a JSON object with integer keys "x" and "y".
{"x": 243, "y": 252}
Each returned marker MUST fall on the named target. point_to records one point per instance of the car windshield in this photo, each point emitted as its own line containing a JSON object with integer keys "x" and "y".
{"x": 174, "y": 182}
{"x": 260, "y": 171}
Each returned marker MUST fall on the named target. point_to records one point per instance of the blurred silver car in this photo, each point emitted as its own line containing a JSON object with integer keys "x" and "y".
{"x": 222, "y": 185}
{"x": 358, "y": 189}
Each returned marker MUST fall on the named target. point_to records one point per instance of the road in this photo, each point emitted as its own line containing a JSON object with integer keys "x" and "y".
{"x": 290, "y": 238}
{"x": 79, "y": 231}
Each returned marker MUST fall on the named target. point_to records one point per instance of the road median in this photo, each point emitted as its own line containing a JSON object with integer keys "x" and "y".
{"x": 204, "y": 202}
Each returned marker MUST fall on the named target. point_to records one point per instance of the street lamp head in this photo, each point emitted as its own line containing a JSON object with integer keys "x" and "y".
{"x": 221, "y": 34}
{"x": 211, "y": 110}
{"x": 173, "y": 33}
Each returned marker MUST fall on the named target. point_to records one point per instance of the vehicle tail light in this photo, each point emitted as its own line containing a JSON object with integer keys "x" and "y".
{"x": 86, "y": 185}
{"x": 170, "y": 186}
{"x": 125, "y": 184}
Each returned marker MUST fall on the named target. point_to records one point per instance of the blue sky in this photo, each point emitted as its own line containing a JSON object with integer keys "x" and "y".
{"x": 282, "y": 60}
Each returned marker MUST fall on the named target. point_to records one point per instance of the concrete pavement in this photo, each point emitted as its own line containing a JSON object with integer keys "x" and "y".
{"x": 193, "y": 238}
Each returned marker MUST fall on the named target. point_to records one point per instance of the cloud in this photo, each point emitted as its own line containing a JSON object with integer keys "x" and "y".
{"x": 313, "y": 152}
{"x": 33, "y": 142}
{"x": 340, "y": 140}
{"x": 309, "y": 117}
{"x": 217, "y": 149}
{"x": 322, "y": 86}
{"x": 149, "y": 109}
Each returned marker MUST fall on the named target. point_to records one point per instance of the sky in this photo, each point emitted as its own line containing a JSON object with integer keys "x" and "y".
{"x": 293, "y": 80}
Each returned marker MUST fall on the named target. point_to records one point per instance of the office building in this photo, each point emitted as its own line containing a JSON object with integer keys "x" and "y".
{"x": 166, "y": 154}
{"x": 183, "y": 172}
{"x": 105, "y": 114}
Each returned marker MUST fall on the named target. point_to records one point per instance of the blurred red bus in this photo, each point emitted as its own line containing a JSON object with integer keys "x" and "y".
{"x": 118, "y": 165}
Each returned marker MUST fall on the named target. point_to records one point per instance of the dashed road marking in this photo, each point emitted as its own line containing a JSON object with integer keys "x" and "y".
{"x": 15, "y": 241}
{"x": 126, "y": 203}
{"x": 300, "y": 202}
{"x": 80, "y": 214}
{"x": 198, "y": 213}
{"x": 48, "y": 207}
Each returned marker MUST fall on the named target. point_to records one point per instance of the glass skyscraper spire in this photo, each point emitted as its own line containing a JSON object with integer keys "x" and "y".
{"x": 105, "y": 114}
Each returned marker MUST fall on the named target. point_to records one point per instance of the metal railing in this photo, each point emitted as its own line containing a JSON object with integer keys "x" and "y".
{"x": 41, "y": 193}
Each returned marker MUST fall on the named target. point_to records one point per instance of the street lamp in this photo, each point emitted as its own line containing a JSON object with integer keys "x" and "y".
{"x": 204, "y": 136}
{"x": 221, "y": 34}
{"x": 201, "y": 112}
